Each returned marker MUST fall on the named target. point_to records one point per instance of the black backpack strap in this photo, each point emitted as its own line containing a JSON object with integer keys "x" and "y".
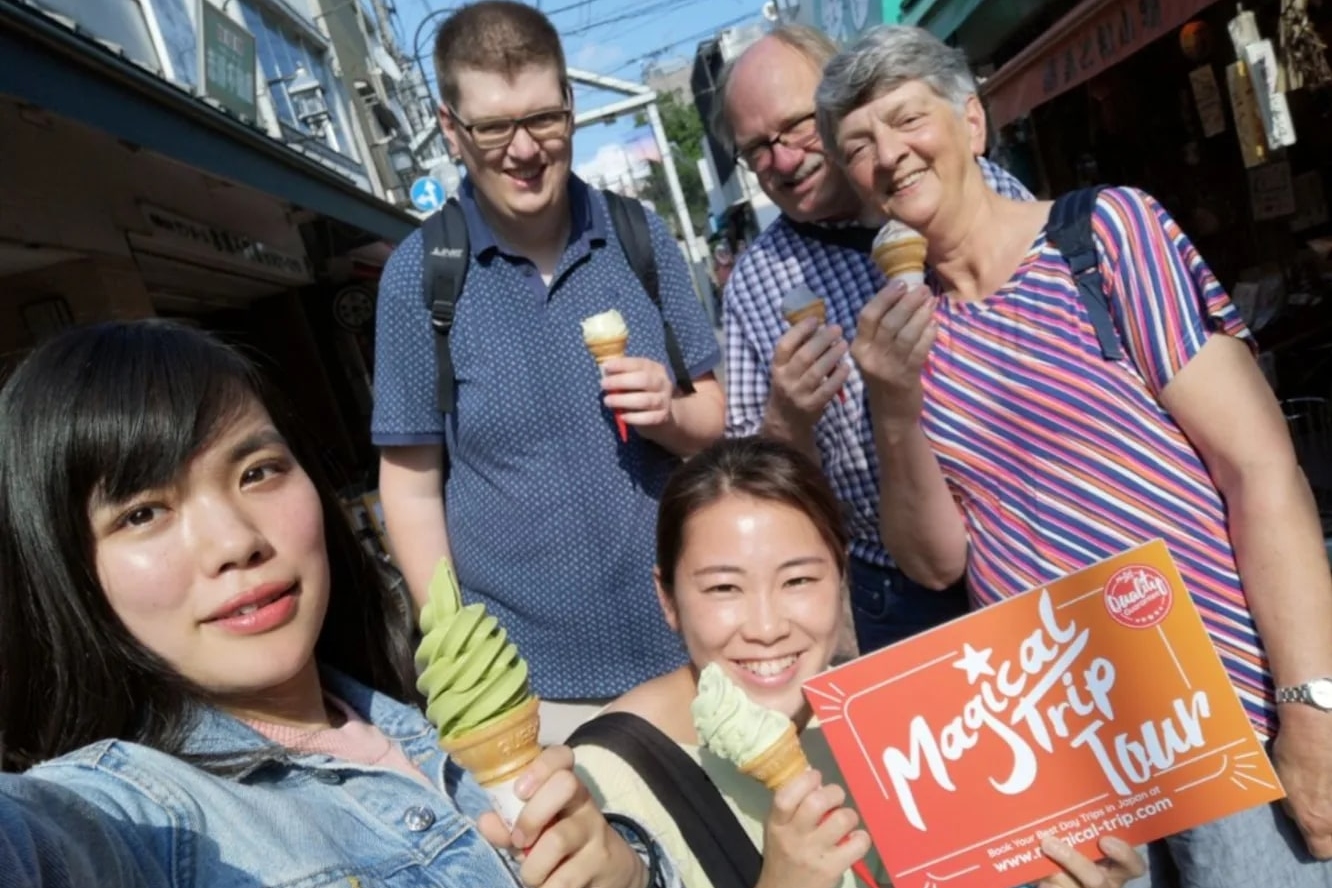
{"x": 631, "y": 228}
{"x": 447, "y": 252}
{"x": 1070, "y": 230}
{"x": 707, "y": 824}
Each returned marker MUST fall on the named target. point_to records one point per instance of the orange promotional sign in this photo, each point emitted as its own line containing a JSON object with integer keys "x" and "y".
{"x": 1091, "y": 707}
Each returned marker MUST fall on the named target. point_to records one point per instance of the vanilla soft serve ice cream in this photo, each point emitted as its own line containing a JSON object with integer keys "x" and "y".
{"x": 607, "y": 325}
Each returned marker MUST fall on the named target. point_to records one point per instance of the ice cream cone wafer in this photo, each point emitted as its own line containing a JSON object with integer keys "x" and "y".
{"x": 778, "y": 763}
{"x": 604, "y": 349}
{"x": 816, "y": 310}
{"x": 497, "y": 751}
{"x": 899, "y": 252}
{"x": 901, "y": 259}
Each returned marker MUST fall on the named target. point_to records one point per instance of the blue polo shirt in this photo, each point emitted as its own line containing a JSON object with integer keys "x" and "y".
{"x": 551, "y": 518}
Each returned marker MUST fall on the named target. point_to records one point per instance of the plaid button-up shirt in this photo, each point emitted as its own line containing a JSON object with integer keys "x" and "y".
{"x": 779, "y": 259}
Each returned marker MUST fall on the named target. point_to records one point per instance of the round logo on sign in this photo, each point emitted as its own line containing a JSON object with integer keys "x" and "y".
{"x": 1138, "y": 597}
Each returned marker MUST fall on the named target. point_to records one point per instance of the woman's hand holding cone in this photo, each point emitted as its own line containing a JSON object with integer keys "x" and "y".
{"x": 811, "y": 838}
{"x": 894, "y": 335}
{"x": 560, "y": 836}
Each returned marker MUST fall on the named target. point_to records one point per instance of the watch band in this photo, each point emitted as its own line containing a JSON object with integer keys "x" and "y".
{"x": 643, "y": 844}
{"x": 1316, "y": 693}
{"x": 1296, "y": 694}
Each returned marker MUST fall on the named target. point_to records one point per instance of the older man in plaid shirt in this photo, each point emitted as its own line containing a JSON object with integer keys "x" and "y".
{"x": 798, "y": 383}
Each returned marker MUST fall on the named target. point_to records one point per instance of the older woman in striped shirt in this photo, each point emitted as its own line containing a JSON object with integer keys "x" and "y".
{"x": 1027, "y": 427}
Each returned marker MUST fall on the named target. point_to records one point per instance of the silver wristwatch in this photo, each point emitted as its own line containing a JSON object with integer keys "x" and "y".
{"x": 1316, "y": 692}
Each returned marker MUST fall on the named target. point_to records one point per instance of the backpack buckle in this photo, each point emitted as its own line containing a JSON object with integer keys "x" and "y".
{"x": 441, "y": 316}
{"x": 1082, "y": 262}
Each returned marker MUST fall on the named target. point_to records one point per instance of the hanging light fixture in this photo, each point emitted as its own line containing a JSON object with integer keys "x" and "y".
{"x": 307, "y": 99}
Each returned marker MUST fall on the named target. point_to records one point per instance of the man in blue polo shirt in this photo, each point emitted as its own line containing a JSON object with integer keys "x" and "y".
{"x": 550, "y": 517}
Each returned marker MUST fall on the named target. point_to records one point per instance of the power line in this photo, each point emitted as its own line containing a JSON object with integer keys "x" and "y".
{"x": 636, "y": 13}
{"x": 634, "y": 29}
{"x": 653, "y": 6}
{"x": 568, "y": 7}
{"x": 692, "y": 37}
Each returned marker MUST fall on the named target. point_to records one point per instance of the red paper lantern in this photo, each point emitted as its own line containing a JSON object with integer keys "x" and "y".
{"x": 1195, "y": 40}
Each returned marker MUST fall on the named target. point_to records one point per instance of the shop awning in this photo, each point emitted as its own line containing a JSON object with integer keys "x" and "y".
{"x": 66, "y": 73}
{"x": 1094, "y": 36}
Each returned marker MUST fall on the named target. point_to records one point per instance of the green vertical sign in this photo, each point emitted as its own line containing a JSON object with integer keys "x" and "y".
{"x": 226, "y": 62}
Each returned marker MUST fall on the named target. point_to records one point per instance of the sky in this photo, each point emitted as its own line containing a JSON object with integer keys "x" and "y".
{"x": 612, "y": 37}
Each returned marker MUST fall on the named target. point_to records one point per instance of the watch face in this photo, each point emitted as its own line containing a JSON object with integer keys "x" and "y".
{"x": 1320, "y": 691}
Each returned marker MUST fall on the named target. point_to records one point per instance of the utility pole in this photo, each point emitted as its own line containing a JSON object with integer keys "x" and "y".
{"x": 641, "y": 98}
{"x": 386, "y": 34}
{"x": 673, "y": 181}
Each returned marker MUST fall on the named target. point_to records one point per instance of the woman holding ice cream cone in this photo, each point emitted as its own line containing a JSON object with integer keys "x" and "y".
{"x": 750, "y": 546}
{"x": 202, "y": 680}
{"x": 750, "y": 574}
{"x": 1075, "y": 383}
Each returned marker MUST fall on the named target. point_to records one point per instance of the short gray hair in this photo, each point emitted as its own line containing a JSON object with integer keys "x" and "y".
{"x": 811, "y": 43}
{"x": 881, "y": 61}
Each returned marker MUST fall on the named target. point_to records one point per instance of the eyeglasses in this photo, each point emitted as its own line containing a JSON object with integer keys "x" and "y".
{"x": 498, "y": 132}
{"x": 797, "y": 134}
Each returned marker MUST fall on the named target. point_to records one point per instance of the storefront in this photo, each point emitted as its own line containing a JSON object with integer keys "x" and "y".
{"x": 1139, "y": 92}
{"x": 1149, "y": 93}
{"x": 124, "y": 196}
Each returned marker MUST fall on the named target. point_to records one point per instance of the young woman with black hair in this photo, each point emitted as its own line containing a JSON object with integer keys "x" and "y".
{"x": 201, "y": 680}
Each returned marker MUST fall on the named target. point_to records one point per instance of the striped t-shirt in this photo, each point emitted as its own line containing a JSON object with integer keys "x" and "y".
{"x": 1059, "y": 458}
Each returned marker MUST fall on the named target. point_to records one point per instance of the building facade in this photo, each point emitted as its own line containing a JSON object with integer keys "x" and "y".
{"x": 388, "y": 94}
{"x": 204, "y": 163}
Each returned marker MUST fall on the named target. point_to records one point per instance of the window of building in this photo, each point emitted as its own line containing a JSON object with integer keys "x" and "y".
{"x": 122, "y": 23}
{"x": 180, "y": 38}
{"x": 281, "y": 51}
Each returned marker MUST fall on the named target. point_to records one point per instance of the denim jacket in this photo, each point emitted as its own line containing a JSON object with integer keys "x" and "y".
{"x": 120, "y": 814}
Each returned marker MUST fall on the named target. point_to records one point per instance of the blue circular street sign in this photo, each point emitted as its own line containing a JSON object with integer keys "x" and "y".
{"x": 427, "y": 194}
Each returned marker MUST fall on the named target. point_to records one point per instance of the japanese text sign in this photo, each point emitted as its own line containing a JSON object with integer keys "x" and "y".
{"x": 227, "y": 60}
{"x": 1091, "y": 38}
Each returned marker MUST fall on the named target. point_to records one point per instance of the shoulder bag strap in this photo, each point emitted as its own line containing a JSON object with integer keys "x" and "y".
{"x": 1070, "y": 230}
{"x": 631, "y": 228}
{"x": 707, "y": 823}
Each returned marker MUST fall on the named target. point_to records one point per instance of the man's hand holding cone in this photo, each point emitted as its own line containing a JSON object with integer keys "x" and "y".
{"x": 801, "y": 303}
{"x": 606, "y": 337}
{"x": 638, "y": 391}
{"x": 809, "y": 368}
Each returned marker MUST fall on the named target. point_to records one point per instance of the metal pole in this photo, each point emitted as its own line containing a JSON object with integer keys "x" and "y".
{"x": 673, "y": 180}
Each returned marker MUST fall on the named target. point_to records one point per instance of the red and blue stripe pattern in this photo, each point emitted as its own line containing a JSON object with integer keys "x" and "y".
{"x": 1059, "y": 458}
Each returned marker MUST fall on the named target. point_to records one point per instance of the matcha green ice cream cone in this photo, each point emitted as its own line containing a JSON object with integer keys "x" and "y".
{"x": 761, "y": 742}
{"x": 476, "y": 691}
